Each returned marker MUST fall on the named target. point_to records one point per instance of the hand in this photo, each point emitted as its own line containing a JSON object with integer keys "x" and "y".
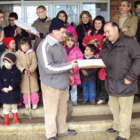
{"x": 37, "y": 34}
{"x": 10, "y": 88}
{"x": 125, "y": 29}
{"x": 127, "y": 82}
{"x": 29, "y": 73}
{"x": 85, "y": 72}
{"x": 28, "y": 31}
{"x": 71, "y": 71}
{"x": 15, "y": 34}
{"x": 1, "y": 36}
{"x": 6, "y": 90}
{"x": 26, "y": 73}
{"x": 71, "y": 79}
{"x": 18, "y": 30}
{"x": 74, "y": 63}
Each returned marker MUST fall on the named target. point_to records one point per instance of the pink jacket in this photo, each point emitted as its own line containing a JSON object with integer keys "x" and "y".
{"x": 102, "y": 74}
{"x": 71, "y": 29}
{"x": 74, "y": 54}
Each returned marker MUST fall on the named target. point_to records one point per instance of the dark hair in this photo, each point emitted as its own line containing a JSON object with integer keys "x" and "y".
{"x": 128, "y": 2}
{"x": 24, "y": 40}
{"x": 62, "y": 12}
{"x": 114, "y": 24}
{"x": 13, "y": 15}
{"x": 41, "y": 7}
{"x": 101, "y": 18}
{"x": 1, "y": 12}
{"x": 92, "y": 47}
{"x": 136, "y": 4}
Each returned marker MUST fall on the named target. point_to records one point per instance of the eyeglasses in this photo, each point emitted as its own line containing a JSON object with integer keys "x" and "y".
{"x": 40, "y": 12}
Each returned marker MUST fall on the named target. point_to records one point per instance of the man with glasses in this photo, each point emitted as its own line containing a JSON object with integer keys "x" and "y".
{"x": 1, "y": 32}
{"x": 42, "y": 25}
{"x": 12, "y": 30}
{"x": 54, "y": 71}
{"x": 126, "y": 22}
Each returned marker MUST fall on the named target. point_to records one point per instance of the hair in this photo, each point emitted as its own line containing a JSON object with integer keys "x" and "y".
{"x": 86, "y": 13}
{"x": 1, "y": 12}
{"x": 70, "y": 35}
{"x": 13, "y": 15}
{"x": 101, "y": 31}
{"x": 136, "y": 4}
{"x": 128, "y": 2}
{"x": 24, "y": 40}
{"x": 92, "y": 47}
{"x": 41, "y": 7}
{"x": 62, "y": 12}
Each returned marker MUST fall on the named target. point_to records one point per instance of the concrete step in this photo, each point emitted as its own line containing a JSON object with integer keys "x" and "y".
{"x": 79, "y": 110}
{"x": 79, "y": 123}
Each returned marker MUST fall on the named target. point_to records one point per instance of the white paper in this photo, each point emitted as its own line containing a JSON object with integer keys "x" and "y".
{"x": 96, "y": 63}
{"x": 25, "y": 26}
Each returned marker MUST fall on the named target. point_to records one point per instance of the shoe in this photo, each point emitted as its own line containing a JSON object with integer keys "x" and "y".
{"x": 92, "y": 102}
{"x": 111, "y": 131}
{"x": 52, "y": 138}
{"x": 26, "y": 107}
{"x": 34, "y": 106}
{"x": 74, "y": 103}
{"x": 15, "y": 118}
{"x": 6, "y": 120}
{"x": 67, "y": 133}
{"x": 101, "y": 102}
{"x": 120, "y": 138}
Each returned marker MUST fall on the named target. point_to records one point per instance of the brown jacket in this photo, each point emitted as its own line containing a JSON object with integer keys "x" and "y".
{"x": 27, "y": 61}
{"x": 131, "y": 23}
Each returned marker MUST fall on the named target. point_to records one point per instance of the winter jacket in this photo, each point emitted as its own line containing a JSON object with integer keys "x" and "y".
{"x": 11, "y": 78}
{"x": 27, "y": 61}
{"x": 74, "y": 54}
{"x": 81, "y": 30}
{"x": 131, "y": 23}
{"x": 122, "y": 59}
{"x": 71, "y": 29}
{"x": 91, "y": 72}
{"x": 43, "y": 28}
{"x": 89, "y": 38}
{"x": 52, "y": 62}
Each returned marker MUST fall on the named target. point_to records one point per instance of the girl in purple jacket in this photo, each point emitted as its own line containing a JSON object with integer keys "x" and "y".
{"x": 73, "y": 53}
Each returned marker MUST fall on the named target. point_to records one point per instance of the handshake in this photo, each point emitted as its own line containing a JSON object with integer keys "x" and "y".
{"x": 6, "y": 90}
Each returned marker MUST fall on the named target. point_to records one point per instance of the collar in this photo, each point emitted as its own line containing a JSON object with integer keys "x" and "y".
{"x": 43, "y": 20}
{"x": 51, "y": 40}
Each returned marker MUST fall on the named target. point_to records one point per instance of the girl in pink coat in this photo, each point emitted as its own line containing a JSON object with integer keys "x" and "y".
{"x": 70, "y": 29}
{"x": 73, "y": 53}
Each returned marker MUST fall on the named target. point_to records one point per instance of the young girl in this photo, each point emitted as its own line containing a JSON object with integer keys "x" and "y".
{"x": 73, "y": 53}
{"x": 10, "y": 78}
{"x": 27, "y": 64}
{"x": 10, "y": 46}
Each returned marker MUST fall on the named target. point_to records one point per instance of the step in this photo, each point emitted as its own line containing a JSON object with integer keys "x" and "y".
{"x": 79, "y": 110}
{"x": 79, "y": 123}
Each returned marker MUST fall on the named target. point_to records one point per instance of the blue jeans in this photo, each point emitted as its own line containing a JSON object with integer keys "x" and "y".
{"x": 89, "y": 90}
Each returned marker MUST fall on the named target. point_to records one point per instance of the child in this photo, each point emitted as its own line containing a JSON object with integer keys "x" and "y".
{"x": 10, "y": 46}
{"x": 88, "y": 76}
{"x": 27, "y": 64}
{"x": 73, "y": 53}
{"x": 10, "y": 78}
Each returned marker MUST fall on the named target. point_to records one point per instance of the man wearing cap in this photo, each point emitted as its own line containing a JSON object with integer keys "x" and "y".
{"x": 54, "y": 70}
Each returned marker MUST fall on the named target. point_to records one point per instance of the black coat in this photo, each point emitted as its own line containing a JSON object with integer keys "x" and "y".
{"x": 10, "y": 77}
{"x": 122, "y": 59}
{"x": 92, "y": 72}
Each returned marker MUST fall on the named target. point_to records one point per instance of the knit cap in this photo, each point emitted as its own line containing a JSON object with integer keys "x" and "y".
{"x": 10, "y": 57}
{"x": 56, "y": 24}
{"x": 7, "y": 40}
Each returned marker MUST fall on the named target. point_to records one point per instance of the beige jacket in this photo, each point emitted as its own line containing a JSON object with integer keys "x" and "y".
{"x": 27, "y": 61}
{"x": 131, "y": 23}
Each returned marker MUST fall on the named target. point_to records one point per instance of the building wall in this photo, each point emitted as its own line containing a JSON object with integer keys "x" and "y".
{"x": 114, "y": 6}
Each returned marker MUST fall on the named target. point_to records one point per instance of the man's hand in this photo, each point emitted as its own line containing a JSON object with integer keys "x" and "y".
{"x": 10, "y": 88}
{"x": 6, "y": 90}
{"x": 124, "y": 29}
{"x": 18, "y": 30}
{"x": 74, "y": 63}
{"x": 127, "y": 82}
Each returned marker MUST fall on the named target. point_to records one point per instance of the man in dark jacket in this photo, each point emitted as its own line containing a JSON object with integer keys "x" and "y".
{"x": 121, "y": 55}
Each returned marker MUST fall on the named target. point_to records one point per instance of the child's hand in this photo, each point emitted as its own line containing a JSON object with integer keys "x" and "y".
{"x": 71, "y": 79}
{"x": 71, "y": 71}
{"x": 10, "y": 88}
{"x": 6, "y": 90}
{"x": 85, "y": 72}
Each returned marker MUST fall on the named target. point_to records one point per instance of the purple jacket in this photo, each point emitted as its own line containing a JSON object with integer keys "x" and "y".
{"x": 74, "y": 54}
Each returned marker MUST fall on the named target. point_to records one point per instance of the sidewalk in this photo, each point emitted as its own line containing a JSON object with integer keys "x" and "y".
{"x": 135, "y": 135}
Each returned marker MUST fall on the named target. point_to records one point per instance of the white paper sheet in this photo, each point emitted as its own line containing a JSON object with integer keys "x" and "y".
{"x": 91, "y": 63}
{"x": 25, "y": 26}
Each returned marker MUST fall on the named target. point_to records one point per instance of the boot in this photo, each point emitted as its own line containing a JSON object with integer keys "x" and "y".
{"x": 6, "y": 120}
{"x": 15, "y": 118}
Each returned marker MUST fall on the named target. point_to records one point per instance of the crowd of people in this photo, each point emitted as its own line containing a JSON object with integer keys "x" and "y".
{"x": 50, "y": 63}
